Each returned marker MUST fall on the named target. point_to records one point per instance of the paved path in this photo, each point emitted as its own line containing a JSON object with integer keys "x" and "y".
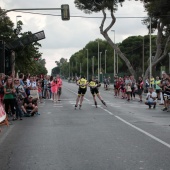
{"x": 123, "y": 136}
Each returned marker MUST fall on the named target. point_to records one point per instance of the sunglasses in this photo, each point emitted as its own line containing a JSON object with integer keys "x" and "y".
{"x": 16, "y": 80}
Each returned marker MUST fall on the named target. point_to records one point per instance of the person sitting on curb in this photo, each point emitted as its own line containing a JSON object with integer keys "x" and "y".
{"x": 30, "y": 107}
{"x": 151, "y": 98}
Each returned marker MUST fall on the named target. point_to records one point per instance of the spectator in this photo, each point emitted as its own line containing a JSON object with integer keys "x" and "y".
{"x": 133, "y": 86}
{"x": 140, "y": 88}
{"x": 151, "y": 98}
{"x": 162, "y": 84}
{"x": 19, "y": 97}
{"x": 29, "y": 108}
{"x": 157, "y": 87}
{"x": 60, "y": 83}
{"x": 9, "y": 98}
{"x": 152, "y": 80}
{"x": 2, "y": 77}
{"x": 54, "y": 89}
{"x": 166, "y": 95}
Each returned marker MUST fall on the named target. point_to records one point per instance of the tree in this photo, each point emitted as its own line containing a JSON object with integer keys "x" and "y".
{"x": 159, "y": 12}
{"x": 28, "y": 58}
{"x": 103, "y": 5}
{"x": 157, "y": 9}
{"x": 6, "y": 28}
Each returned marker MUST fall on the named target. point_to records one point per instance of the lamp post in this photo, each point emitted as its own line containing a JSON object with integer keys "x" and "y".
{"x": 18, "y": 16}
{"x": 100, "y": 62}
{"x": 114, "y": 56}
{"x": 87, "y": 64}
{"x": 169, "y": 62}
{"x": 150, "y": 47}
{"x": 105, "y": 61}
{"x": 69, "y": 68}
{"x": 80, "y": 69}
{"x": 117, "y": 63}
{"x": 143, "y": 59}
{"x": 93, "y": 66}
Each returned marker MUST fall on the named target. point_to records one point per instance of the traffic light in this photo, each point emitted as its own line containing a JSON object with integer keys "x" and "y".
{"x": 65, "y": 12}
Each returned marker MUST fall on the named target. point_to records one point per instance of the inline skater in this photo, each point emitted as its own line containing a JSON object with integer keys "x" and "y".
{"x": 94, "y": 84}
{"x": 82, "y": 83}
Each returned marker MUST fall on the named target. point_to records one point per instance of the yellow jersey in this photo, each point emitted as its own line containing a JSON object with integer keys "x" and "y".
{"x": 82, "y": 83}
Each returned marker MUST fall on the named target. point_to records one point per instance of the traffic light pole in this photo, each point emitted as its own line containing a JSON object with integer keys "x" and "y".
{"x": 65, "y": 14}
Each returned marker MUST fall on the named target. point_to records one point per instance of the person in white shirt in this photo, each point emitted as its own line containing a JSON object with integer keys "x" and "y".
{"x": 151, "y": 98}
{"x": 32, "y": 84}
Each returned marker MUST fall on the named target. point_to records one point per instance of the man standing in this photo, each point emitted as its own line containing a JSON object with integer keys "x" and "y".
{"x": 60, "y": 83}
{"x": 82, "y": 83}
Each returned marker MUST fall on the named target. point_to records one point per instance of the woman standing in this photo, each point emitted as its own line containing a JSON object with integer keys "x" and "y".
{"x": 9, "y": 98}
{"x": 19, "y": 97}
{"x": 140, "y": 88}
{"x": 54, "y": 89}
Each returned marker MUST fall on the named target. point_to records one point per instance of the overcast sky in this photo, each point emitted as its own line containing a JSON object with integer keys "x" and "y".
{"x": 64, "y": 38}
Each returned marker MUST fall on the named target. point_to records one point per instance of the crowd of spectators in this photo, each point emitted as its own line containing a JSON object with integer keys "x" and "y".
{"x": 157, "y": 89}
{"x": 20, "y": 95}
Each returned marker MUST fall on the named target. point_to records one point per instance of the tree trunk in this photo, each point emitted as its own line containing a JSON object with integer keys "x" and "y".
{"x": 160, "y": 54}
{"x": 113, "y": 45}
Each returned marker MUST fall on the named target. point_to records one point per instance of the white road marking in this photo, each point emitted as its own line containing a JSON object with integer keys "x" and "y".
{"x": 114, "y": 105}
{"x": 57, "y": 106}
{"x": 49, "y": 113}
{"x": 138, "y": 129}
{"x": 135, "y": 127}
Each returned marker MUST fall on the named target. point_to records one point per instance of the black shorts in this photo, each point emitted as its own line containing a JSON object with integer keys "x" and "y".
{"x": 166, "y": 96}
{"x": 94, "y": 91}
{"x": 82, "y": 91}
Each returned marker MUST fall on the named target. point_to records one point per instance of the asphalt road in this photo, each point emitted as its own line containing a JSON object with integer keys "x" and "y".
{"x": 123, "y": 136}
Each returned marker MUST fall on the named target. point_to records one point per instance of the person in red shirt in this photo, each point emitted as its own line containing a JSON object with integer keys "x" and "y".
{"x": 60, "y": 83}
{"x": 54, "y": 89}
{"x": 117, "y": 86}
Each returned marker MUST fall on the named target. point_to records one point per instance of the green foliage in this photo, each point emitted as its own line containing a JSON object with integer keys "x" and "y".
{"x": 132, "y": 47}
{"x": 159, "y": 11}
{"x": 6, "y": 28}
{"x": 28, "y": 58}
{"x": 89, "y": 6}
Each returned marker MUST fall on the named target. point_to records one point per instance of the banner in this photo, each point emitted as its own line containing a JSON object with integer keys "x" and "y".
{"x": 2, "y": 113}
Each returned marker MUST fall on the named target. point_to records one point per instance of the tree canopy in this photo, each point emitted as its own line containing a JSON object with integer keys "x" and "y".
{"x": 158, "y": 11}
{"x": 28, "y": 58}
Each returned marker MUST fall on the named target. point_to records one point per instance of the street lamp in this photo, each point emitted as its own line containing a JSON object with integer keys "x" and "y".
{"x": 87, "y": 64}
{"x": 114, "y": 56}
{"x": 100, "y": 62}
{"x": 80, "y": 69}
{"x": 150, "y": 45}
{"x": 117, "y": 63}
{"x": 93, "y": 66}
{"x": 105, "y": 61}
{"x": 169, "y": 62}
{"x": 143, "y": 60}
{"x": 69, "y": 68}
{"x": 18, "y": 16}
